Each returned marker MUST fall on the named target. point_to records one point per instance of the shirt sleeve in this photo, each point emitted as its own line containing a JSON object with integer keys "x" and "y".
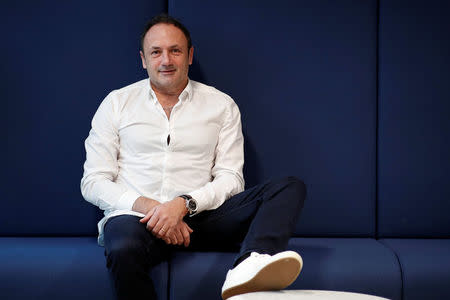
{"x": 101, "y": 167}
{"x": 228, "y": 178}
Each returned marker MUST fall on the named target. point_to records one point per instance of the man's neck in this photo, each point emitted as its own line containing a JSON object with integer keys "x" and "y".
{"x": 168, "y": 97}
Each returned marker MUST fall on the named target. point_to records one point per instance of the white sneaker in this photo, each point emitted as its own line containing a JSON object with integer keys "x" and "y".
{"x": 262, "y": 272}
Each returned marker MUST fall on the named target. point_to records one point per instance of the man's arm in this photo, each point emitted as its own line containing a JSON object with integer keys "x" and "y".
{"x": 101, "y": 167}
{"x": 144, "y": 205}
{"x": 227, "y": 173}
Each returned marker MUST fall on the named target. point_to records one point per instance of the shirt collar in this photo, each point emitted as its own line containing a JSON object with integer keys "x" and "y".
{"x": 185, "y": 95}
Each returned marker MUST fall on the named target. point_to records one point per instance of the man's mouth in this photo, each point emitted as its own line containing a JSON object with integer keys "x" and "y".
{"x": 167, "y": 72}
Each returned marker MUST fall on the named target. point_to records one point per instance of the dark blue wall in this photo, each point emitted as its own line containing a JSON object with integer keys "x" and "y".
{"x": 304, "y": 76}
{"x": 350, "y": 96}
{"x": 59, "y": 60}
{"x": 414, "y": 119}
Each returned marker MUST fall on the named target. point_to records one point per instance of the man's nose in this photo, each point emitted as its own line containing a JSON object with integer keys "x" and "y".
{"x": 165, "y": 59}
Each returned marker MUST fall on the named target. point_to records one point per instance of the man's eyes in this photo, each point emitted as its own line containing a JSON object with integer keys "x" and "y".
{"x": 158, "y": 52}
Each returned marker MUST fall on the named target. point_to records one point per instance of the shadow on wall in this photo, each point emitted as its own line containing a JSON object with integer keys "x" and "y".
{"x": 196, "y": 73}
{"x": 253, "y": 173}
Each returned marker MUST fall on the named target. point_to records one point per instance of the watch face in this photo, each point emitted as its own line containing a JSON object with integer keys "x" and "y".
{"x": 192, "y": 205}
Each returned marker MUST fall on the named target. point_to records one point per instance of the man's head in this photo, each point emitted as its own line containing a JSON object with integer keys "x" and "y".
{"x": 166, "y": 53}
{"x": 166, "y": 19}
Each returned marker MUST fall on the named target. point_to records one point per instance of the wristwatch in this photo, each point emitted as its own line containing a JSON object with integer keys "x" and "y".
{"x": 191, "y": 204}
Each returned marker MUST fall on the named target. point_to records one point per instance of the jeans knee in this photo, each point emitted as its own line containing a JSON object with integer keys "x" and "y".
{"x": 296, "y": 182}
{"x": 125, "y": 252}
{"x": 297, "y": 185}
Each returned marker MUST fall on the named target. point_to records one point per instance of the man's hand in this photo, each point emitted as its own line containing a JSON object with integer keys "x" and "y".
{"x": 180, "y": 235}
{"x": 165, "y": 221}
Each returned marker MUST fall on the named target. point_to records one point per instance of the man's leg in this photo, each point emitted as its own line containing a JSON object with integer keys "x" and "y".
{"x": 130, "y": 252}
{"x": 262, "y": 218}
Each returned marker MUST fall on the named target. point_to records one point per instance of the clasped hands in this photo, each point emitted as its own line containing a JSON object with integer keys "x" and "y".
{"x": 165, "y": 220}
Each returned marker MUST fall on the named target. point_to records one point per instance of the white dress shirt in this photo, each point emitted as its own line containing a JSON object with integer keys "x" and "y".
{"x": 128, "y": 154}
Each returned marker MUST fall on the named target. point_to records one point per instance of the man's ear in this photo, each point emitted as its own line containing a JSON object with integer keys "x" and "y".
{"x": 191, "y": 55}
{"x": 143, "y": 59}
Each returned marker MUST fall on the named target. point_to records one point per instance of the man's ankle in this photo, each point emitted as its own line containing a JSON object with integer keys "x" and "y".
{"x": 241, "y": 259}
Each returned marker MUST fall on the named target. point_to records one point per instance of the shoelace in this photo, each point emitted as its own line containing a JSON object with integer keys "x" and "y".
{"x": 259, "y": 256}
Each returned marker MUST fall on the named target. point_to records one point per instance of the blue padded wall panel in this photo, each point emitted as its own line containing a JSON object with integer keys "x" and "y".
{"x": 304, "y": 76}
{"x": 414, "y": 119}
{"x": 59, "y": 60}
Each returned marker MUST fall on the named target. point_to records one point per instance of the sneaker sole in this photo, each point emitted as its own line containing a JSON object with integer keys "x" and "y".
{"x": 277, "y": 275}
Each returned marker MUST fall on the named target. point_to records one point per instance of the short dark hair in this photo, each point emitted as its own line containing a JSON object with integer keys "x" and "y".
{"x": 165, "y": 19}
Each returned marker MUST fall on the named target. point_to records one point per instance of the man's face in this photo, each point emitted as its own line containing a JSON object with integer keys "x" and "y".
{"x": 166, "y": 57}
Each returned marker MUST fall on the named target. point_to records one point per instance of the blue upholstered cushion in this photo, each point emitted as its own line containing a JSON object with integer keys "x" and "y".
{"x": 352, "y": 265}
{"x": 60, "y": 268}
{"x": 425, "y": 267}
{"x": 355, "y": 265}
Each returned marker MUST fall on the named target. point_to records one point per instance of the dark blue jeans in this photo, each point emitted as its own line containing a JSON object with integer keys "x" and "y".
{"x": 259, "y": 219}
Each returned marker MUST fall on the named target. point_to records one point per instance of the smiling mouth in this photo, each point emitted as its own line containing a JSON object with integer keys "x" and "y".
{"x": 167, "y": 71}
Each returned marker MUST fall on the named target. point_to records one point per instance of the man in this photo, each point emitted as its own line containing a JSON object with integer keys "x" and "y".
{"x": 164, "y": 161}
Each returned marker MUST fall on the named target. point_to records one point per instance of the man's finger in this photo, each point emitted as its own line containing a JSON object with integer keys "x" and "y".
{"x": 186, "y": 235}
{"x": 157, "y": 229}
{"x": 160, "y": 233}
{"x": 173, "y": 238}
{"x": 179, "y": 236}
{"x": 189, "y": 228}
{"x": 147, "y": 216}
{"x": 153, "y": 220}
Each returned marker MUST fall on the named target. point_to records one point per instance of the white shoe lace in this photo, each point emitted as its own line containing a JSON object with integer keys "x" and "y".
{"x": 259, "y": 256}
